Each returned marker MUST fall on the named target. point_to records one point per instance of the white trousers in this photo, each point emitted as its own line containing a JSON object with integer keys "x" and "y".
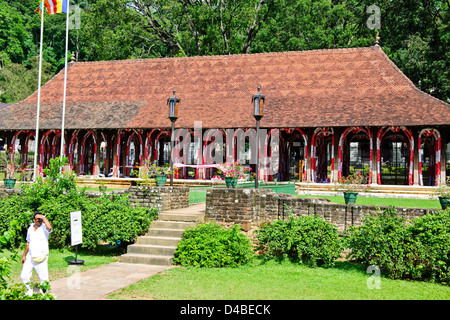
{"x": 27, "y": 270}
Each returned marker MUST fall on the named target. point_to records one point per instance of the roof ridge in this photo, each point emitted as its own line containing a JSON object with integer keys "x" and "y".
{"x": 293, "y": 52}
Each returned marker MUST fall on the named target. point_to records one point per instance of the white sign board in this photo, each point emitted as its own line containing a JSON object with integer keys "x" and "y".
{"x": 75, "y": 228}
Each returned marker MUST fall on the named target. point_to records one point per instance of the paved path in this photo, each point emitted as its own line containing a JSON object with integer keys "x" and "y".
{"x": 96, "y": 283}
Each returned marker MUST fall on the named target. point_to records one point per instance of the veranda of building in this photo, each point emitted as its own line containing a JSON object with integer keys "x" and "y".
{"x": 338, "y": 111}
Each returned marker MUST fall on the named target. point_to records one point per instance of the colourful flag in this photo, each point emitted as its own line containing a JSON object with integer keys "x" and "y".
{"x": 54, "y": 6}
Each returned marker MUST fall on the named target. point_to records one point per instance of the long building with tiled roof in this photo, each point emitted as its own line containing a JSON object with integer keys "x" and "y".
{"x": 336, "y": 110}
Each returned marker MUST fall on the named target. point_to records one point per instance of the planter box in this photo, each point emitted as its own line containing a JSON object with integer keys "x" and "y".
{"x": 9, "y": 183}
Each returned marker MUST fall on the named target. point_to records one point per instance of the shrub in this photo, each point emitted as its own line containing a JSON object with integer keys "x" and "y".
{"x": 12, "y": 209}
{"x": 211, "y": 245}
{"x": 431, "y": 235}
{"x": 113, "y": 218}
{"x": 307, "y": 239}
{"x": 104, "y": 220}
{"x": 382, "y": 240}
{"x": 107, "y": 219}
{"x": 418, "y": 250}
{"x": 55, "y": 184}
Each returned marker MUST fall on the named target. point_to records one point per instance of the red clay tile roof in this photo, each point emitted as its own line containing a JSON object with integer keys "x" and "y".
{"x": 339, "y": 87}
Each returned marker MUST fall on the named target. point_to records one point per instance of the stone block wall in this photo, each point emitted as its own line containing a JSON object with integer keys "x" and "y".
{"x": 252, "y": 208}
{"x": 164, "y": 198}
{"x": 8, "y": 192}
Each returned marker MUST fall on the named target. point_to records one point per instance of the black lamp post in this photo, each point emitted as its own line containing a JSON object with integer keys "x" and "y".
{"x": 173, "y": 103}
{"x": 258, "y": 106}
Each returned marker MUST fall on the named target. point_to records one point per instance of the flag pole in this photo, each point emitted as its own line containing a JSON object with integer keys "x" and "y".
{"x": 36, "y": 140}
{"x": 62, "y": 153}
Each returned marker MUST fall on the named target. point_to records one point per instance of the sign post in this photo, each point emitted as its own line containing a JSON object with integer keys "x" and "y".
{"x": 76, "y": 234}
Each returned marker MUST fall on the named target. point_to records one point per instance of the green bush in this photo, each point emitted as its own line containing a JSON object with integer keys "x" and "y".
{"x": 307, "y": 239}
{"x": 417, "y": 250}
{"x": 382, "y": 240}
{"x": 104, "y": 220}
{"x": 13, "y": 209}
{"x": 431, "y": 234}
{"x": 211, "y": 245}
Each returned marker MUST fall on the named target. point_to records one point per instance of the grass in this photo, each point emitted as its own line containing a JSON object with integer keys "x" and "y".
{"x": 273, "y": 280}
{"x": 258, "y": 280}
{"x": 375, "y": 201}
{"x": 58, "y": 261}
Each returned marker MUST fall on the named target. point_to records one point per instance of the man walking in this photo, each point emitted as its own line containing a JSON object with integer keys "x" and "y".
{"x": 36, "y": 252}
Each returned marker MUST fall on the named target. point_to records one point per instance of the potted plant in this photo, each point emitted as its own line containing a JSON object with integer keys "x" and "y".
{"x": 231, "y": 172}
{"x": 444, "y": 195}
{"x": 9, "y": 180}
{"x": 351, "y": 186}
{"x": 160, "y": 174}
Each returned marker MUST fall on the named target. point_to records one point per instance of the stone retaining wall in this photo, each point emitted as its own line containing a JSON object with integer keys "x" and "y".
{"x": 163, "y": 198}
{"x": 252, "y": 208}
{"x": 8, "y": 192}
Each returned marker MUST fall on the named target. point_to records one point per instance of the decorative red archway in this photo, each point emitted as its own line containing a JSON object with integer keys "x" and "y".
{"x": 319, "y": 160}
{"x": 148, "y": 146}
{"x": 83, "y": 158}
{"x": 24, "y": 152}
{"x": 295, "y": 133}
{"x": 354, "y": 130}
{"x": 163, "y": 133}
{"x": 44, "y": 149}
{"x": 208, "y": 150}
{"x": 181, "y": 161}
{"x": 135, "y": 134}
{"x": 267, "y": 169}
{"x": 73, "y": 138}
{"x": 435, "y": 154}
{"x": 396, "y": 129}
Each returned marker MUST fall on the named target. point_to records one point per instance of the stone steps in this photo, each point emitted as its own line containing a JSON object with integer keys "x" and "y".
{"x": 163, "y": 241}
{"x": 180, "y": 217}
{"x": 156, "y": 249}
{"x": 158, "y": 245}
{"x": 146, "y": 259}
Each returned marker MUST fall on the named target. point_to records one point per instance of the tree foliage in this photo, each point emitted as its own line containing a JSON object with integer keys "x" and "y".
{"x": 414, "y": 33}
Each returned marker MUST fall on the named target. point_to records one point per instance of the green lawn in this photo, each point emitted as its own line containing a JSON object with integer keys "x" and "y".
{"x": 258, "y": 280}
{"x": 277, "y": 281}
{"x": 375, "y": 201}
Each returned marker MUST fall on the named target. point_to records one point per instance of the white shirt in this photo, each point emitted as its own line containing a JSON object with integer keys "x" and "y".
{"x": 38, "y": 240}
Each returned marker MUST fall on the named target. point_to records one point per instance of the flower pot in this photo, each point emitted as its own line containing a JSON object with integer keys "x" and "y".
{"x": 350, "y": 197}
{"x": 231, "y": 182}
{"x": 161, "y": 180}
{"x": 9, "y": 183}
{"x": 445, "y": 202}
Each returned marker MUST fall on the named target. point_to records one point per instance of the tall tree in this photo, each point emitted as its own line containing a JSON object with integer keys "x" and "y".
{"x": 414, "y": 33}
